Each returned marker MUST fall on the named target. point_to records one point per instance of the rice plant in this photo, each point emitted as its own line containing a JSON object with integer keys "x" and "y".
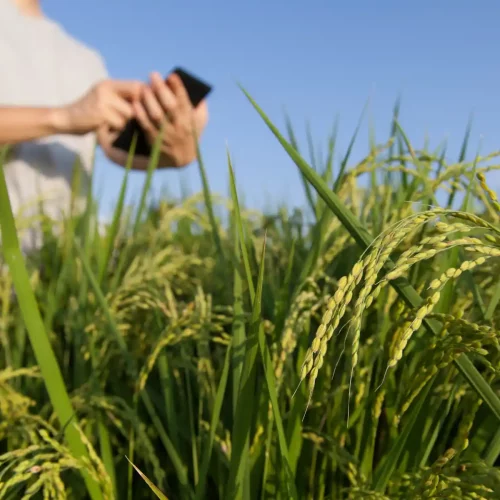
{"x": 346, "y": 350}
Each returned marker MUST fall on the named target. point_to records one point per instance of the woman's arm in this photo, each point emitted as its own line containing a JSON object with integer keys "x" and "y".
{"x": 108, "y": 103}
{"x": 21, "y": 124}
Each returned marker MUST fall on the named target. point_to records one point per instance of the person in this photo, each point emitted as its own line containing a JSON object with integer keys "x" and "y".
{"x": 57, "y": 102}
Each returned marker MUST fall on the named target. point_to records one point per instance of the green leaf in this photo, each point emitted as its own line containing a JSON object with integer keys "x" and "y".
{"x": 307, "y": 187}
{"x": 210, "y": 208}
{"x": 153, "y": 488}
{"x": 118, "y": 213}
{"x": 219, "y": 399}
{"x": 385, "y": 469}
{"x": 152, "y": 165}
{"x": 266, "y": 357}
{"x": 239, "y": 335}
{"x": 38, "y": 337}
{"x": 247, "y": 401}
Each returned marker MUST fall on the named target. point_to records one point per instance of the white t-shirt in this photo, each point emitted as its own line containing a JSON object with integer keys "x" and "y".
{"x": 43, "y": 66}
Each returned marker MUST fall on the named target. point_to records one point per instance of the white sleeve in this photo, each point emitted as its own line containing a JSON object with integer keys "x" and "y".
{"x": 7, "y": 12}
{"x": 101, "y": 71}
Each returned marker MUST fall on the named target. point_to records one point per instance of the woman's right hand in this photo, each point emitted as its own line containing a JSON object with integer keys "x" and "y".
{"x": 108, "y": 103}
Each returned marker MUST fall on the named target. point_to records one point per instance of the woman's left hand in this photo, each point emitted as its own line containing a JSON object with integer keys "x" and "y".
{"x": 167, "y": 103}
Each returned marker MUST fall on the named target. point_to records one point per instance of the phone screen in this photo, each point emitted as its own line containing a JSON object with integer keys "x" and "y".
{"x": 196, "y": 89}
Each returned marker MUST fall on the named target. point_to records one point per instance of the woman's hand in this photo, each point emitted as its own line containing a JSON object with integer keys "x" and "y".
{"x": 162, "y": 103}
{"x": 167, "y": 103}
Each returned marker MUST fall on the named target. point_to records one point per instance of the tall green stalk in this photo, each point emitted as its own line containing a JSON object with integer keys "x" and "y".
{"x": 38, "y": 337}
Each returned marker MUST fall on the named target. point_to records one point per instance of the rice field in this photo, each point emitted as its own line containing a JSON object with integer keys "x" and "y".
{"x": 346, "y": 351}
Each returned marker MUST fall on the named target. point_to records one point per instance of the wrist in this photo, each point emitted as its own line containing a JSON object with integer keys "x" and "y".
{"x": 58, "y": 120}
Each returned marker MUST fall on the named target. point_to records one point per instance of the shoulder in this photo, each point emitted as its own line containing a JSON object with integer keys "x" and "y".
{"x": 87, "y": 56}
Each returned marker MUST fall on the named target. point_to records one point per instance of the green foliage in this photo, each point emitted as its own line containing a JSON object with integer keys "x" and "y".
{"x": 355, "y": 356}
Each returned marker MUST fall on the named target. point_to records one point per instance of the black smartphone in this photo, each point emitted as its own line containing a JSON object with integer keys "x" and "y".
{"x": 197, "y": 90}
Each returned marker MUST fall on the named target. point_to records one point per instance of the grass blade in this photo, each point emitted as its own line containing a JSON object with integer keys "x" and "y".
{"x": 295, "y": 144}
{"x": 271, "y": 386}
{"x": 385, "y": 469}
{"x": 239, "y": 336}
{"x": 345, "y": 160}
{"x": 247, "y": 398}
{"x": 153, "y": 163}
{"x": 117, "y": 216}
{"x": 209, "y": 205}
{"x": 266, "y": 358}
{"x": 461, "y": 157}
{"x": 39, "y": 339}
{"x": 154, "y": 489}
{"x": 219, "y": 399}
{"x": 241, "y": 234}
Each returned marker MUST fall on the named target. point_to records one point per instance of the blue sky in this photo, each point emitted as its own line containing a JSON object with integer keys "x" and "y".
{"x": 317, "y": 60}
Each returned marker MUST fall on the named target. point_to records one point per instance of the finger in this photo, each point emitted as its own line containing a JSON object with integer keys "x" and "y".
{"x": 175, "y": 83}
{"x": 155, "y": 111}
{"x": 143, "y": 118}
{"x": 129, "y": 89}
{"x": 202, "y": 108}
{"x": 200, "y": 114}
{"x": 122, "y": 106}
{"x": 164, "y": 94}
{"x": 115, "y": 120}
